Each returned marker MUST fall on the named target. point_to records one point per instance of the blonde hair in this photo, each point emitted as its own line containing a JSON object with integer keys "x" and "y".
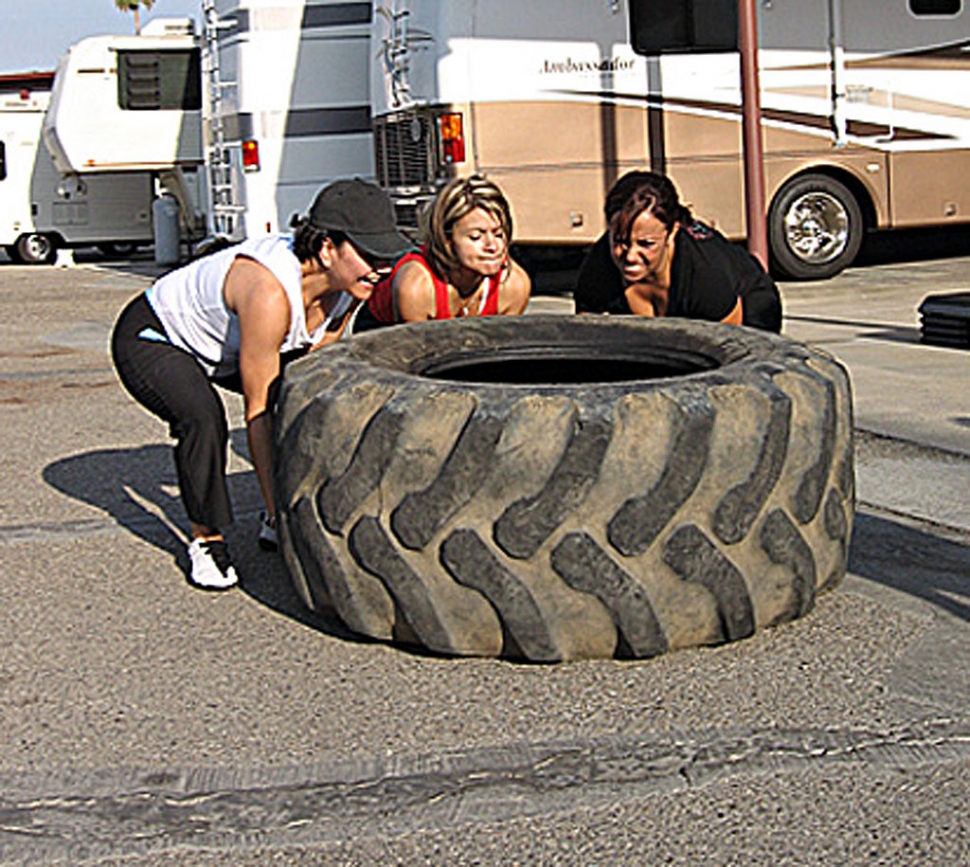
{"x": 456, "y": 200}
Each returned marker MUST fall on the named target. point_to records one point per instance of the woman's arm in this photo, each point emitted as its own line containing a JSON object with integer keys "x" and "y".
{"x": 413, "y": 290}
{"x": 712, "y": 273}
{"x": 736, "y": 316}
{"x": 263, "y": 310}
{"x": 514, "y": 290}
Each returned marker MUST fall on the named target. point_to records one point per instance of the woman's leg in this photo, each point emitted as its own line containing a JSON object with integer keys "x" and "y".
{"x": 171, "y": 384}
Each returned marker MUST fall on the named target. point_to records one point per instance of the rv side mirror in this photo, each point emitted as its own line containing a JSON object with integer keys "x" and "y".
{"x": 663, "y": 26}
{"x": 3, "y": 161}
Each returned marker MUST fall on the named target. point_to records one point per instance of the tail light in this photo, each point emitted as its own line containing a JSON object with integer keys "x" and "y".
{"x": 452, "y": 138}
{"x": 250, "y": 155}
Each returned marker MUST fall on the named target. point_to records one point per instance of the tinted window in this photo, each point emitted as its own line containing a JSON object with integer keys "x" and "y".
{"x": 155, "y": 80}
{"x": 935, "y": 7}
{"x": 659, "y": 26}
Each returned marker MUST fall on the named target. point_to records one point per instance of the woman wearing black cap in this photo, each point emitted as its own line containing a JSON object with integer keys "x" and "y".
{"x": 234, "y": 318}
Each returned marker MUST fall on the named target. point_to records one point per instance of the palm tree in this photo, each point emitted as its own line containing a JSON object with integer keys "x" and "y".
{"x": 135, "y": 6}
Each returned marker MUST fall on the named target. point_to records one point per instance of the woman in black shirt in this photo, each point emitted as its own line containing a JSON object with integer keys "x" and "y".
{"x": 655, "y": 259}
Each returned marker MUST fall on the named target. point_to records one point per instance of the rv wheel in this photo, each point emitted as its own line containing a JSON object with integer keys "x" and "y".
{"x": 815, "y": 228}
{"x": 563, "y": 487}
{"x": 36, "y": 249}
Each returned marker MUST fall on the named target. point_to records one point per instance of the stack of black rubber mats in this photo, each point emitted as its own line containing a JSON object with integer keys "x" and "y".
{"x": 945, "y": 320}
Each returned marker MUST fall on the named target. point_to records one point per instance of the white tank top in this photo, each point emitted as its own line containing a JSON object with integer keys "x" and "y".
{"x": 191, "y": 305}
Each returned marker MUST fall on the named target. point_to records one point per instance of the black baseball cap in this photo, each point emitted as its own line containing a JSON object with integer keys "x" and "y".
{"x": 364, "y": 213}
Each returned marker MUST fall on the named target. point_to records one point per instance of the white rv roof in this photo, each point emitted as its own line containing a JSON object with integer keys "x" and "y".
{"x": 87, "y": 130}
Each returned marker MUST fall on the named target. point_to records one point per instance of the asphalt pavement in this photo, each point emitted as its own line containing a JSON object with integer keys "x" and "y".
{"x": 145, "y": 722}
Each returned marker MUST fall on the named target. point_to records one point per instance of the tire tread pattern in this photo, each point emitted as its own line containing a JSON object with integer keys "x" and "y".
{"x": 639, "y": 521}
{"x": 458, "y": 559}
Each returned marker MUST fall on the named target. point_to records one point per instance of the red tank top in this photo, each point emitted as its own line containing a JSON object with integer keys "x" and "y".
{"x": 381, "y": 303}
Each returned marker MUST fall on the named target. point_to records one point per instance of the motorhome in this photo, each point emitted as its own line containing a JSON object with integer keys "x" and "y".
{"x": 41, "y": 209}
{"x": 288, "y": 106}
{"x": 865, "y": 112}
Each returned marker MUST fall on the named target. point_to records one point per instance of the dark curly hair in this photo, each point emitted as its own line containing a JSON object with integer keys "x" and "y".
{"x": 641, "y": 191}
{"x": 308, "y": 239}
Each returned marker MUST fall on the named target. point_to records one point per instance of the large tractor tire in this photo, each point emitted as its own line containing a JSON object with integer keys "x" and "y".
{"x": 554, "y": 487}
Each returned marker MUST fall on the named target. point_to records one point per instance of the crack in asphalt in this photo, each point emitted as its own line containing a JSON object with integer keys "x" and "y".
{"x": 84, "y": 815}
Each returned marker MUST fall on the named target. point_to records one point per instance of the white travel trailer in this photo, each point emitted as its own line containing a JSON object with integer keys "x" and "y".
{"x": 288, "y": 106}
{"x": 42, "y": 209}
{"x": 865, "y": 110}
{"x": 133, "y": 105}
{"x": 243, "y": 122}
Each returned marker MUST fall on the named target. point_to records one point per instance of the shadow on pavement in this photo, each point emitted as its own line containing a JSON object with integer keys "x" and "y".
{"x": 265, "y": 580}
{"x": 138, "y": 489}
{"x": 863, "y": 329}
{"x": 914, "y": 245}
{"x": 910, "y": 560}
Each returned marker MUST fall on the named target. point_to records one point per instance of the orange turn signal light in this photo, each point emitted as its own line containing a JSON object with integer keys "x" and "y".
{"x": 250, "y": 155}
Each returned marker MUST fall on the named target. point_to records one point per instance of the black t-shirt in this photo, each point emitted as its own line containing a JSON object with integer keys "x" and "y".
{"x": 707, "y": 276}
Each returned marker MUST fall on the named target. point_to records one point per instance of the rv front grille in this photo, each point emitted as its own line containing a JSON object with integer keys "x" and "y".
{"x": 405, "y": 151}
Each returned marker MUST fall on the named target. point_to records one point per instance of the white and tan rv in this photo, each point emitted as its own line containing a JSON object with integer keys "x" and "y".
{"x": 865, "y": 111}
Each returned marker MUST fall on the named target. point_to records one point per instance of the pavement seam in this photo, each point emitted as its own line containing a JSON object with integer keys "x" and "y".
{"x": 103, "y": 813}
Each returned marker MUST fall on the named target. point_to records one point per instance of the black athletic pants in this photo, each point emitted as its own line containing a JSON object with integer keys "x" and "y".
{"x": 170, "y": 383}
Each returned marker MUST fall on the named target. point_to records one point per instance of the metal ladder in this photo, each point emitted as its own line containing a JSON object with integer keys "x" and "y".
{"x": 396, "y": 50}
{"x": 224, "y": 210}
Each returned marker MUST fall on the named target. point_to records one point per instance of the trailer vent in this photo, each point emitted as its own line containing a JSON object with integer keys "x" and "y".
{"x": 159, "y": 80}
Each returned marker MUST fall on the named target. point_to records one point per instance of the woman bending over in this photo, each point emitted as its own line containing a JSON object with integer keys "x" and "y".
{"x": 655, "y": 259}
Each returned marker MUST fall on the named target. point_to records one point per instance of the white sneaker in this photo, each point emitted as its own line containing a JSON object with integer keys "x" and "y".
{"x": 268, "y": 540}
{"x": 211, "y": 567}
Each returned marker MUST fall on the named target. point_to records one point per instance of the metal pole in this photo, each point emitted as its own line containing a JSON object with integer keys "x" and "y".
{"x": 754, "y": 177}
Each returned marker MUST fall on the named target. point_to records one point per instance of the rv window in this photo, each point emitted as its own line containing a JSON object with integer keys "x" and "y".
{"x": 3, "y": 161}
{"x": 159, "y": 80}
{"x": 935, "y": 7}
{"x": 660, "y": 26}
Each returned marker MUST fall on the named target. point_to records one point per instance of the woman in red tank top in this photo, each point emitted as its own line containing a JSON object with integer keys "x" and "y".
{"x": 463, "y": 269}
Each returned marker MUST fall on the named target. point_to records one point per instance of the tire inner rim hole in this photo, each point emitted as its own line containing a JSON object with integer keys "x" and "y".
{"x": 554, "y": 367}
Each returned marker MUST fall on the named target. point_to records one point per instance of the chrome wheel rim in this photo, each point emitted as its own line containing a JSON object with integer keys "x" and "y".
{"x": 817, "y": 227}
